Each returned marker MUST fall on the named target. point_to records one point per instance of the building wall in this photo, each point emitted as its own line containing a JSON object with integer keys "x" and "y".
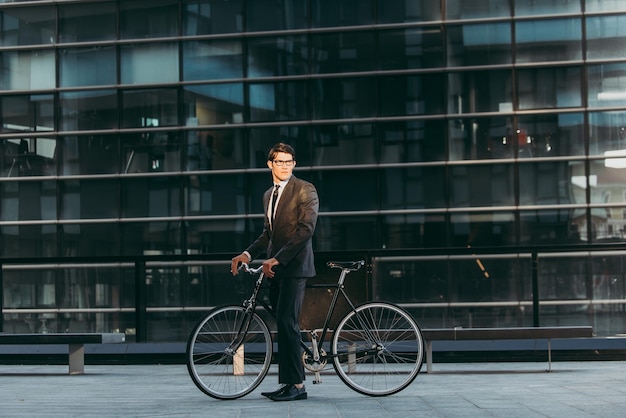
{"x": 142, "y": 127}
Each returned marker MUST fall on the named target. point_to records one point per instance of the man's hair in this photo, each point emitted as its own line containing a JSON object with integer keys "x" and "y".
{"x": 280, "y": 147}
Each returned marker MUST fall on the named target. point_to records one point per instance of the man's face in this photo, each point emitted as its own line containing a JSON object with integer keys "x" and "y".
{"x": 282, "y": 166}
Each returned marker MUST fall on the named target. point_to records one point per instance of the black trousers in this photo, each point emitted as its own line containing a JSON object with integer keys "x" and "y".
{"x": 286, "y": 296}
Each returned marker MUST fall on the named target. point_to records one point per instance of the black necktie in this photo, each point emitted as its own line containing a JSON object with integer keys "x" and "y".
{"x": 274, "y": 199}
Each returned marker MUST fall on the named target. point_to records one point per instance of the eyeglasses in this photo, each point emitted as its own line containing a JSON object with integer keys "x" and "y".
{"x": 280, "y": 163}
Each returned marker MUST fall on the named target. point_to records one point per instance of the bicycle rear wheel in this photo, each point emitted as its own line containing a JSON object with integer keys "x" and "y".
{"x": 224, "y": 361}
{"x": 377, "y": 349}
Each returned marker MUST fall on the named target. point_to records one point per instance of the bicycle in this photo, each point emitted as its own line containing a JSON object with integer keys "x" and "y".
{"x": 376, "y": 349}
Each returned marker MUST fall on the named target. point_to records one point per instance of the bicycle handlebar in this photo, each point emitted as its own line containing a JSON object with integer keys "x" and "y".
{"x": 250, "y": 270}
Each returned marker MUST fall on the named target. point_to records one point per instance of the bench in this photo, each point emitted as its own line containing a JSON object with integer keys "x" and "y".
{"x": 75, "y": 342}
{"x": 521, "y": 333}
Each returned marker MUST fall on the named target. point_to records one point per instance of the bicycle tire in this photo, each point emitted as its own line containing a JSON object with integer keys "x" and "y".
{"x": 377, "y": 349}
{"x": 215, "y": 371}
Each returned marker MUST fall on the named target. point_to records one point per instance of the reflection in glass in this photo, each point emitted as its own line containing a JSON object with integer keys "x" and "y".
{"x": 463, "y": 9}
{"x": 480, "y": 91}
{"x": 277, "y": 56}
{"x": 480, "y": 138}
{"x": 481, "y": 185}
{"x": 551, "y": 183}
{"x": 202, "y": 17}
{"x": 413, "y": 188}
{"x": 604, "y": 5}
{"x": 411, "y": 95}
{"x": 27, "y": 113}
{"x": 548, "y": 40}
{"x": 212, "y": 194}
{"x": 26, "y": 240}
{"x": 27, "y": 25}
{"x": 138, "y": 63}
{"x": 27, "y": 70}
{"x": 551, "y": 135}
{"x": 412, "y": 141}
{"x": 88, "y": 110}
{"x": 286, "y": 100}
{"x": 149, "y": 108}
{"x": 89, "y": 199}
{"x": 212, "y": 60}
{"x": 606, "y": 37}
{"x": 334, "y": 233}
{"x": 410, "y": 48}
{"x": 400, "y": 11}
{"x": 482, "y": 229}
{"x": 344, "y": 98}
{"x": 28, "y": 201}
{"x": 148, "y": 18}
{"x": 553, "y": 226}
{"x": 608, "y": 178}
{"x": 139, "y": 238}
{"x": 87, "y": 66}
{"x": 215, "y": 150}
{"x": 607, "y": 85}
{"x": 213, "y": 104}
{"x": 416, "y": 230}
{"x": 342, "y": 52}
{"x": 607, "y": 132}
{"x": 264, "y": 15}
{"x": 28, "y": 157}
{"x": 86, "y": 22}
{"x": 479, "y": 44}
{"x": 154, "y": 197}
{"x": 328, "y": 13}
{"x": 261, "y": 139}
{"x": 344, "y": 144}
{"x": 151, "y": 151}
{"x": 550, "y": 88}
{"x": 90, "y": 154}
{"x": 545, "y": 7}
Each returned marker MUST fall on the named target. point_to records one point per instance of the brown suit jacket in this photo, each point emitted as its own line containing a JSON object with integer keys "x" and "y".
{"x": 290, "y": 240}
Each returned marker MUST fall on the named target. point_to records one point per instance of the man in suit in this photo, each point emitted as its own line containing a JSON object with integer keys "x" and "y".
{"x": 291, "y": 207}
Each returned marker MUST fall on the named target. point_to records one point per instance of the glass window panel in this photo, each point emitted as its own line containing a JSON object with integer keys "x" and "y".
{"x": 344, "y": 144}
{"x": 552, "y": 226}
{"x": 93, "y": 154}
{"x": 412, "y": 141}
{"x": 327, "y": 13}
{"x": 148, "y": 18}
{"x": 28, "y": 201}
{"x": 88, "y": 110}
{"x": 607, "y": 85}
{"x": 342, "y": 190}
{"x": 277, "y": 56}
{"x": 206, "y": 17}
{"x": 548, "y": 40}
{"x": 477, "y": 9}
{"x": 27, "y": 113}
{"x": 215, "y": 194}
{"x": 151, "y": 151}
{"x": 549, "y": 88}
{"x": 608, "y": 179}
{"x": 546, "y": 7}
{"x": 212, "y": 60}
{"x": 89, "y": 199}
{"x": 607, "y": 132}
{"x": 479, "y": 44}
{"x": 413, "y": 231}
{"x": 336, "y": 233}
{"x": 219, "y": 236}
{"x": 411, "y": 95}
{"x": 551, "y": 135}
{"x": 608, "y": 278}
{"x": 87, "y": 66}
{"x": 28, "y": 241}
{"x": 482, "y": 229}
{"x": 217, "y": 149}
{"x": 604, "y": 5}
{"x": 213, "y": 104}
{"x": 149, "y": 108}
{"x": 551, "y": 183}
{"x": 87, "y": 22}
{"x": 138, "y": 63}
{"x": 480, "y": 91}
{"x": 481, "y": 185}
{"x": 27, "y": 25}
{"x": 264, "y": 15}
{"x": 336, "y": 98}
{"x": 151, "y": 197}
{"x": 400, "y": 11}
{"x": 413, "y": 187}
{"x": 342, "y": 52}
{"x": 480, "y": 138}
{"x": 28, "y": 157}
{"x": 410, "y": 48}
{"x": 261, "y": 139}
{"x": 27, "y": 70}
{"x": 286, "y": 100}
{"x": 606, "y": 37}
{"x": 140, "y": 238}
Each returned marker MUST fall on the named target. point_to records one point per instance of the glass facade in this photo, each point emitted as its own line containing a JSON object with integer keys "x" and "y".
{"x": 134, "y": 128}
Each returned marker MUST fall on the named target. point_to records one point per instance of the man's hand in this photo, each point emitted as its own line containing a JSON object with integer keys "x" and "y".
{"x": 234, "y": 266}
{"x": 267, "y": 267}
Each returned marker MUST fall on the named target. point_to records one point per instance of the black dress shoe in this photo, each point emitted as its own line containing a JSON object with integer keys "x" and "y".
{"x": 291, "y": 393}
{"x": 276, "y": 392}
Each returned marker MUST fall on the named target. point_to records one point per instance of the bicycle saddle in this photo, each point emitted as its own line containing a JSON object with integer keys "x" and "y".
{"x": 350, "y": 265}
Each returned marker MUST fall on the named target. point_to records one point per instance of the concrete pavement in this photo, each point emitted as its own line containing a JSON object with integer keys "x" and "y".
{"x": 572, "y": 389}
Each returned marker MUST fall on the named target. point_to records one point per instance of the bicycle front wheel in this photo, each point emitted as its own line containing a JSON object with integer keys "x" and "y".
{"x": 226, "y": 357}
{"x": 377, "y": 349}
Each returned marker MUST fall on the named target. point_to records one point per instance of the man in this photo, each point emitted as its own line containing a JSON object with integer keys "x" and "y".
{"x": 291, "y": 207}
